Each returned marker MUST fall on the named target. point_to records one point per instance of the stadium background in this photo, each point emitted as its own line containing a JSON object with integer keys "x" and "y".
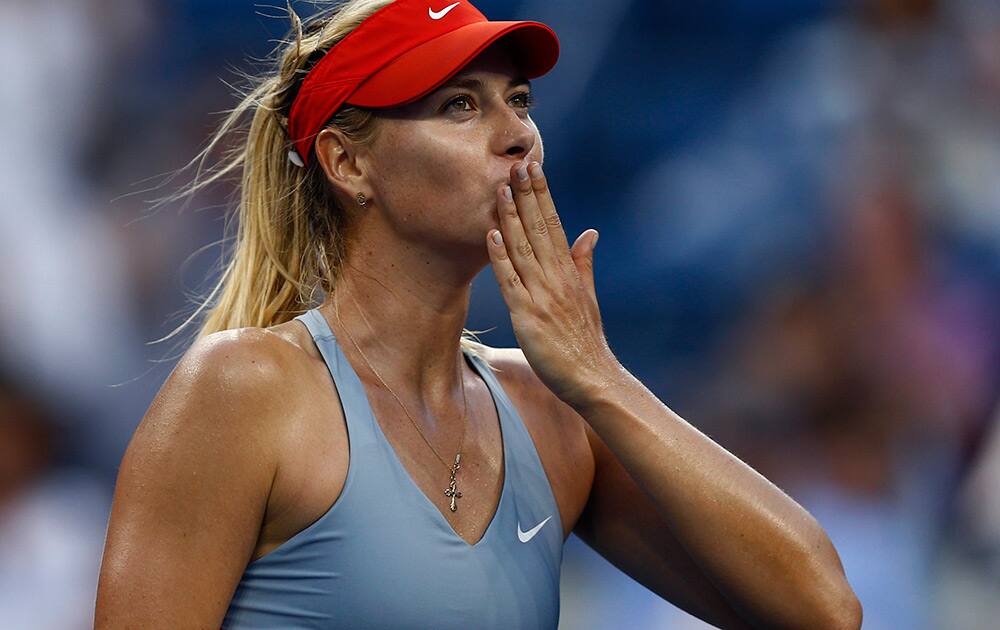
{"x": 800, "y": 254}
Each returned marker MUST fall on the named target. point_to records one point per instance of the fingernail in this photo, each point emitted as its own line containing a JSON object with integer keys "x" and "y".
{"x": 507, "y": 193}
{"x": 497, "y": 237}
{"x": 536, "y": 170}
{"x": 522, "y": 172}
{"x": 597, "y": 235}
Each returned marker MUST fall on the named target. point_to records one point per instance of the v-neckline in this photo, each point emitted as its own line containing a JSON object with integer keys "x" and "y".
{"x": 416, "y": 487}
{"x": 427, "y": 502}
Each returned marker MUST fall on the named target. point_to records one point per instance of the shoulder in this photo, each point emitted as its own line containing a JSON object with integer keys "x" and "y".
{"x": 248, "y": 362}
{"x": 549, "y": 418}
{"x": 219, "y": 402}
{"x": 220, "y": 417}
{"x": 195, "y": 480}
{"x": 514, "y": 372}
{"x": 229, "y": 382}
{"x": 513, "y": 361}
{"x": 513, "y": 369}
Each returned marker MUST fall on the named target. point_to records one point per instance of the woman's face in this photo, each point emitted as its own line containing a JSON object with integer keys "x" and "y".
{"x": 437, "y": 162}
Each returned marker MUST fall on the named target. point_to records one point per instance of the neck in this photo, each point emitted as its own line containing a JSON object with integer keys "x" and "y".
{"x": 405, "y": 312}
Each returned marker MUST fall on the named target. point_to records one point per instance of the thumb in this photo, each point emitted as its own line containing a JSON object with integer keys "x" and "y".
{"x": 583, "y": 257}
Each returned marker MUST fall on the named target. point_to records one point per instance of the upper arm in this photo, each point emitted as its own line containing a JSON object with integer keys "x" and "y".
{"x": 622, "y": 524}
{"x": 192, "y": 488}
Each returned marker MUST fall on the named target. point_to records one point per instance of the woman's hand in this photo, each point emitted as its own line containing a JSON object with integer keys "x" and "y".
{"x": 549, "y": 289}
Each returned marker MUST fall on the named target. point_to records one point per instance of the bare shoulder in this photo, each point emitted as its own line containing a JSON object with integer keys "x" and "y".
{"x": 515, "y": 372}
{"x": 222, "y": 409}
{"x": 241, "y": 369}
{"x": 559, "y": 433}
{"x": 519, "y": 380}
{"x": 194, "y": 483}
{"x": 237, "y": 389}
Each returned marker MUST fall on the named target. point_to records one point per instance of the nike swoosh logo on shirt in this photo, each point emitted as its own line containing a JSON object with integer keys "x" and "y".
{"x": 437, "y": 15}
{"x": 528, "y": 535}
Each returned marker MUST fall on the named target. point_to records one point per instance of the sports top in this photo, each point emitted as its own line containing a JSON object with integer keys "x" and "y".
{"x": 383, "y": 556}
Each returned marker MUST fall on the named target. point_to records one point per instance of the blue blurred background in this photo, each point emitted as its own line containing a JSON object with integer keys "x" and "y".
{"x": 799, "y": 207}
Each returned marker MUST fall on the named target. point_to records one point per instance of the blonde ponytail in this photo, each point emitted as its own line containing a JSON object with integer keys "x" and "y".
{"x": 289, "y": 240}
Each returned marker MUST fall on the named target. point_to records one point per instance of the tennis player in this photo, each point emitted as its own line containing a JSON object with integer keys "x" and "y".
{"x": 364, "y": 462}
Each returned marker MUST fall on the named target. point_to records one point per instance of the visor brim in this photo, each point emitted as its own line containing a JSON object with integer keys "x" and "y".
{"x": 421, "y": 70}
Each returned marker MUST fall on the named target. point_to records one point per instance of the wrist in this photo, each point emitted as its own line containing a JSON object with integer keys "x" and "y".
{"x": 599, "y": 387}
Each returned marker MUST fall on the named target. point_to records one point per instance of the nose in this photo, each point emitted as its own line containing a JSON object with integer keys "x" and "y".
{"x": 515, "y": 135}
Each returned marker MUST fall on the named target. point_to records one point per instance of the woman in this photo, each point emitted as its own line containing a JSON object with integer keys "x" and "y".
{"x": 292, "y": 470}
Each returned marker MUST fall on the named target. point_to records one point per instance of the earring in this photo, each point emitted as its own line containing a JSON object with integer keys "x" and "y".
{"x": 362, "y": 200}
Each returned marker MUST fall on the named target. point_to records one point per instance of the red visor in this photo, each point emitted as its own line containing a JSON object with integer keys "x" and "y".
{"x": 402, "y": 52}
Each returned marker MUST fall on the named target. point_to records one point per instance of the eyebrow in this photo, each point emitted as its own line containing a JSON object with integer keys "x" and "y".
{"x": 473, "y": 84}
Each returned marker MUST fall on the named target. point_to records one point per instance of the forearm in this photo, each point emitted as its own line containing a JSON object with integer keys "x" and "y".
{"x": 765, "y": 554}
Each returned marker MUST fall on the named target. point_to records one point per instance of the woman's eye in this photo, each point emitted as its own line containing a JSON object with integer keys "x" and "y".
{"x": 458, "y": 99}
{"x": 526, "y": 98}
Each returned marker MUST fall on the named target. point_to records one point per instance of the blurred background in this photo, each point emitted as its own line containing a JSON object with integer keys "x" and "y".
{"x": 799, "y": 207}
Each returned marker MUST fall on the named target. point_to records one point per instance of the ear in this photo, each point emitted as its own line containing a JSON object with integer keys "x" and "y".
{"x": 339, "y": 159}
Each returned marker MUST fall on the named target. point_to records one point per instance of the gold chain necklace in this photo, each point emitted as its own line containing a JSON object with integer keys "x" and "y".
{"x": 452, "y": 489}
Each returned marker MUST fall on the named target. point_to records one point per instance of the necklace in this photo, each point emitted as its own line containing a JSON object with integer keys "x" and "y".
{"x": 452, "y": 489}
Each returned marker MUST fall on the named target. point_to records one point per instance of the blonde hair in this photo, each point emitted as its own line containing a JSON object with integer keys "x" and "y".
{"x": 291, "y": 231}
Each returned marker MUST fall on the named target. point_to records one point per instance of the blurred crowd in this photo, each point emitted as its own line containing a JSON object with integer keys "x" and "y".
{"x": 799, "y": 205}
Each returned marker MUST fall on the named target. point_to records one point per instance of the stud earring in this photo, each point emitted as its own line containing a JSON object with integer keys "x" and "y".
{"x": 362, "y": 200}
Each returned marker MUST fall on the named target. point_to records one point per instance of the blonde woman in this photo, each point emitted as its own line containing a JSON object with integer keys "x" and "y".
{"x": 364, "y": 462}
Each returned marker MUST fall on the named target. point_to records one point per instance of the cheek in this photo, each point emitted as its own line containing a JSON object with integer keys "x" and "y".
{"x": 455, "y": 162}
{"x": 438, "y": 176}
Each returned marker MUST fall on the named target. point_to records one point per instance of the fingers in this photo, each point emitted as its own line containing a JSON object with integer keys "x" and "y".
{"x": 516, "y": 242}
{"x": 534, "y": 251}
{"x": 583, "y": 258}
{"x": 513, "y": 290}
{"x": 532, "y": 220}
{"x": 547, "y": 209}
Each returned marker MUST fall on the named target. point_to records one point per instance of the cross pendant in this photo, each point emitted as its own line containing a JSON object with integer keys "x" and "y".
{"x": 452, "y": 490}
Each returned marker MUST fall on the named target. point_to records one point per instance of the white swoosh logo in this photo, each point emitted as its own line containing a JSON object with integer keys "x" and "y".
{"x": 528, "y": 535}
{"x": 437, "y": 15}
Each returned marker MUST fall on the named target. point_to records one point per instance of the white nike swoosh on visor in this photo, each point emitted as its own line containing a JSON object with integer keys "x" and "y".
{"x": 528, "y": 535}
{"x": 437, "y": 15}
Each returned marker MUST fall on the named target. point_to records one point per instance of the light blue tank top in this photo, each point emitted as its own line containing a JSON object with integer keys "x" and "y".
{"x": 384, "y": 557}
